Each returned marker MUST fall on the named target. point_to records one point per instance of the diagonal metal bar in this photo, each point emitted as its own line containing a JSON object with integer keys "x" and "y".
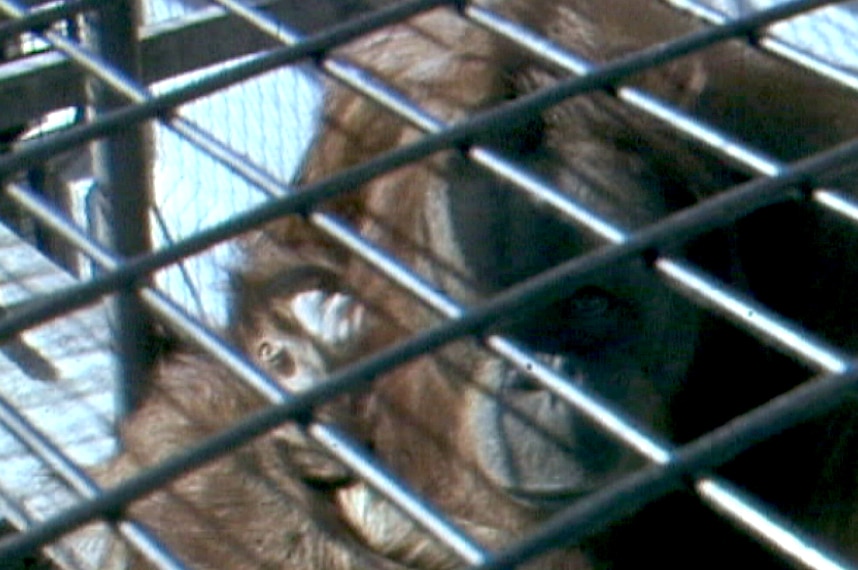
{"x": 536, "y": 292}
{"x": 631, "y": 493}
{"x": 82, "y": 484}
{"x": 334, "y": 440}
{"x": 44, "y": 15}
{"x": 346, "y": 181}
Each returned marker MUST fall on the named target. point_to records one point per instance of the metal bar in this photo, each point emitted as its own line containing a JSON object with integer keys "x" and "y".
{"x": 788, "y": 337}
{"x": 342, "y": 182}
{"x": 358, "y": 78}
{"x": 772, "y": 44}
{"x": 733, "y": 150}
{"x": 121, "y": 167}
{"x": 615, "y": 501}
{"x": 719, "y": 494}
{"x": 33, "y": 152}
{"x": 46, "y": 14}
{"x": 318, "y": 44}
{"x": 689, "y": 280}
{"x": 812, "y": 351}
{"x": 620, "y": 427}
{"x": 82, "y": 484}
{"x": 534, "y": 292}
{"x": 21, "y": 519}
{"x": 42, "y": 83}
{"x": 719, "y": 142}
{"x": 338, "y": 444}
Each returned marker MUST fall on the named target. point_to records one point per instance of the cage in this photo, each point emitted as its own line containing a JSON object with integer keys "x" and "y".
{"x": 140, "y": 141}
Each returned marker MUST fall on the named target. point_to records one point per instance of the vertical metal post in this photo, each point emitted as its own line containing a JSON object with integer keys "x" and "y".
{"x": 122, "y": 166}
{"x": 9, "y": 49}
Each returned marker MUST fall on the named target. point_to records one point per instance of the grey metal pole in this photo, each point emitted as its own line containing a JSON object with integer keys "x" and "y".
{"x": 122, "y": 167}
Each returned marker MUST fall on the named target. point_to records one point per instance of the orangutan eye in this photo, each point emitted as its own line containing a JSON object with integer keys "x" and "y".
{"x": 275, "y": 358}
{"x": 266, "y": 351}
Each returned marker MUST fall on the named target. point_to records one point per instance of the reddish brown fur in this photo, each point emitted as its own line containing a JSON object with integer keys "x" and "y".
{"x": 248, "y": 510}
{"x": 417, "y": 418}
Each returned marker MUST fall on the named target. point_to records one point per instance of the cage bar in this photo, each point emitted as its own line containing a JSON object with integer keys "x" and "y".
{"x": 122, "y": 165}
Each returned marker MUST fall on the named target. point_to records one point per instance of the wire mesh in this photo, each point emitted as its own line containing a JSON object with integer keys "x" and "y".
{"x": 672, "y": 466}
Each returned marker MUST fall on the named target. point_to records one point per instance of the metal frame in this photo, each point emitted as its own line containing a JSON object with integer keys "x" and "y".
{"x": 669, "y": 464}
